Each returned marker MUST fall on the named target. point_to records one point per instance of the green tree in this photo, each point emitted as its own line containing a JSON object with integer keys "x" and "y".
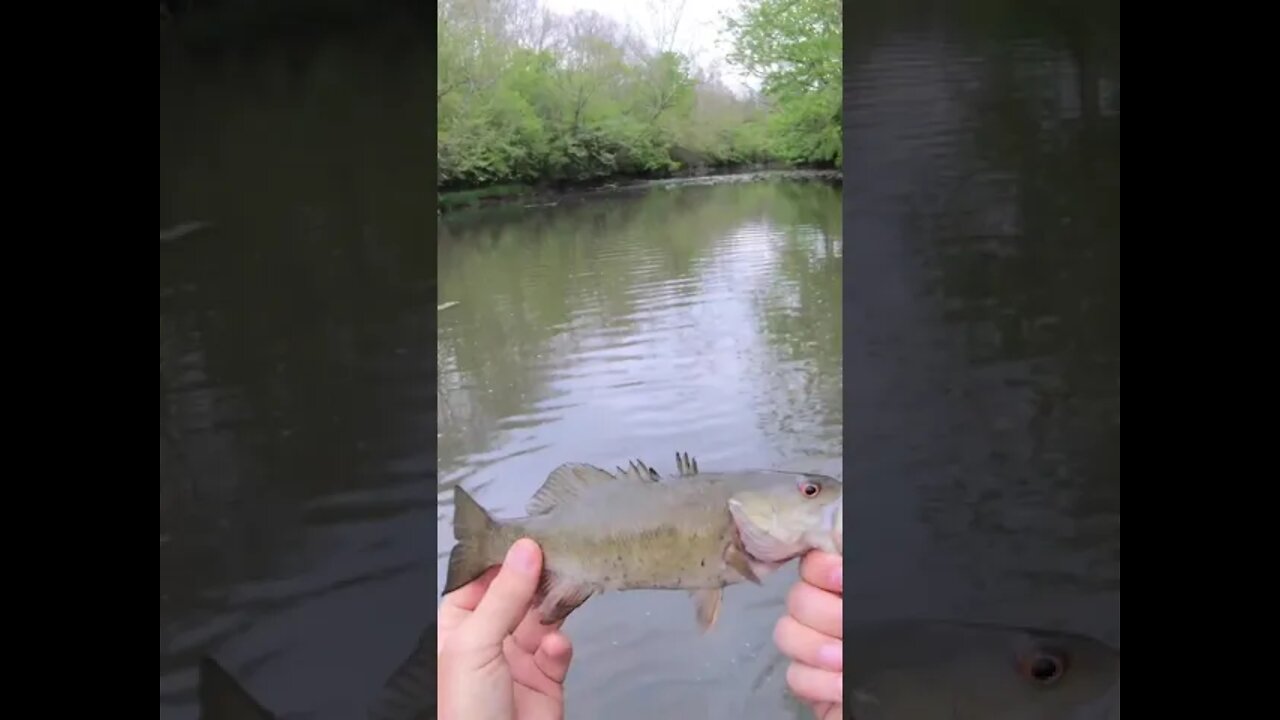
{"x": 795, "y": 47}
{"x": 527, "y": 96}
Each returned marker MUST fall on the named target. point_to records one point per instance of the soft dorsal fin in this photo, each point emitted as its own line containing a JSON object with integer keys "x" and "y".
{"x": 639, "y": 471}
{"x": 686, "y": 465}
{"x": 565, "y": 482}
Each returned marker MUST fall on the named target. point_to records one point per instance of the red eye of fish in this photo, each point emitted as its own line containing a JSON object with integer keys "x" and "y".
{"x": 810, "y": 489}
{"x": 1044, "y": 668}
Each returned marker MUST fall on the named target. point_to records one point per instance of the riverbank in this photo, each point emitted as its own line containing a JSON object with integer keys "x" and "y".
{"x": 535, "y": 196}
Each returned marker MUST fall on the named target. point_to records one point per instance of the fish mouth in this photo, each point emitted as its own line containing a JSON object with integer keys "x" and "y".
{"x": 837, "y": 530}
{"x": 832, "y": 516}
{"x": 829, "y": 534}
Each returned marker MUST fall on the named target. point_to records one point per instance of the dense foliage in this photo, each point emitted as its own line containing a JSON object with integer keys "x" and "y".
{"x": 794, "y": 47}
{"x": 528, "y": 96}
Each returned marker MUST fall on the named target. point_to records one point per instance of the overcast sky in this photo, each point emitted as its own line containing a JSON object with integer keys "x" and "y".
{"x": 699, "y": 33}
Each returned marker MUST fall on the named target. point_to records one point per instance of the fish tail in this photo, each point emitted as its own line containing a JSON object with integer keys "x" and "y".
{"x": 474, "y": 530}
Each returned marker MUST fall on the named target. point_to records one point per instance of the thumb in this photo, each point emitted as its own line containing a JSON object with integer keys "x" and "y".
{"x": 509, "y": 595}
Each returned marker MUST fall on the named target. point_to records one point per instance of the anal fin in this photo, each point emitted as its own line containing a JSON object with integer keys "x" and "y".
{"x": 557, "y": 597}
{"x": 707, "y": 602}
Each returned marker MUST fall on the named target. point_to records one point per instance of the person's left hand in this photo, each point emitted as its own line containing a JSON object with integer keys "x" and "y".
{"x": 811, "y": 634}
{"x": 496, "y": 661}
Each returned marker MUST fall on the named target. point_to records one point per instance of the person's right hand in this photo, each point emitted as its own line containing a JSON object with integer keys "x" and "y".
{"x": 811, "y": 634}
{"x": 496, "y": 660}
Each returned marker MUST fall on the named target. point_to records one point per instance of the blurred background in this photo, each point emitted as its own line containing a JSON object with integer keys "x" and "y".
{"x": 900, "y": 268}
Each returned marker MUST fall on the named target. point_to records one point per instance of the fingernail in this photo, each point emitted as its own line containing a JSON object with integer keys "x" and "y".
{"x": 522, "y": 556}
{"x": 837, "y": 578}
{"x": 832, "y": 656}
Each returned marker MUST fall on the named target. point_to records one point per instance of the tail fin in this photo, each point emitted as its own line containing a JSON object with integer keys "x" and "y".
{"x": 472, "y": 528}
{"x": 222, "y": 698}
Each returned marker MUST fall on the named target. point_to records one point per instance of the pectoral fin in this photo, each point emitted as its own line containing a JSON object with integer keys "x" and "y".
{"x": 707, "y": 603}
{"x": 737, "y": 559}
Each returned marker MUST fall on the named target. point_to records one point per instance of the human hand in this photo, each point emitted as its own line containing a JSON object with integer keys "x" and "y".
{"x": 811, "y": 634}
{"x": 496, "y": 661}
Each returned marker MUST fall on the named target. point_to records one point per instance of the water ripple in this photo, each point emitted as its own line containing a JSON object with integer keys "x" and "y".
{"x": 716, "y": 334}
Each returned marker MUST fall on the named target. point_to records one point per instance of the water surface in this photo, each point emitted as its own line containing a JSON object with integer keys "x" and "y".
{"x": 982, "y": 341}
{"x": 702, "y": 318}
{"x": 296, "y": 375}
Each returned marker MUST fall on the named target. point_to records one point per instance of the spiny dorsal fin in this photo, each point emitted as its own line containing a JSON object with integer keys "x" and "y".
{"x": 639, "y": 471}
{"x": 565, "y": 482}
{"x": 686, "y": 465}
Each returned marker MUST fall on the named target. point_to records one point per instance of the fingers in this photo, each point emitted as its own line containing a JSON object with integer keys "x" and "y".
{"x": 531, "y": 631}
{"x": 823, "y": 570}
{"x": 553, "y": 656}
{"x": 818, "y": 609}
{"x": 457, "y": 605}
{"x": 544, "y": 670}
{"x": 808, "y": 646}
{"x": 810, "y": 634}
{"x": 468, "y": 596}
{"x": 525, "y": 671}
{"x": 509, "y": 595}
{"x": 814, "y": 685}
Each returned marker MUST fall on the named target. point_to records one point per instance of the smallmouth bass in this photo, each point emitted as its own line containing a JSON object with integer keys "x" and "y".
{"x": 635, "y": 529}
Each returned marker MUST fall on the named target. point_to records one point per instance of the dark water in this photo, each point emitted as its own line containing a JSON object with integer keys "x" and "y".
{"x": 981, "y": 310}
{"x": 296, "y": 407}
{"x": 688, "y": 317}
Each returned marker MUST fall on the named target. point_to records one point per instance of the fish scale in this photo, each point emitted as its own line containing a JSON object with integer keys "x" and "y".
{"x": 634, "y": 529}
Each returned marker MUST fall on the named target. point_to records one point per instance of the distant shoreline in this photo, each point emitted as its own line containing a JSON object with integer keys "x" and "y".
{"x": 535, "y": 196}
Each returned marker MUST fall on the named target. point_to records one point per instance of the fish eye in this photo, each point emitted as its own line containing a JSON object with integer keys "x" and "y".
{"x": 809, "y": 488}
{"x": 1045, "y": 668}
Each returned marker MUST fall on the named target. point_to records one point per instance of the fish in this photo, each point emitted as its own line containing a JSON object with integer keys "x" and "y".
{"x": 634, "y": 529}
{"x": 222, "y": 697}
{"x": 939, "y": 669}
